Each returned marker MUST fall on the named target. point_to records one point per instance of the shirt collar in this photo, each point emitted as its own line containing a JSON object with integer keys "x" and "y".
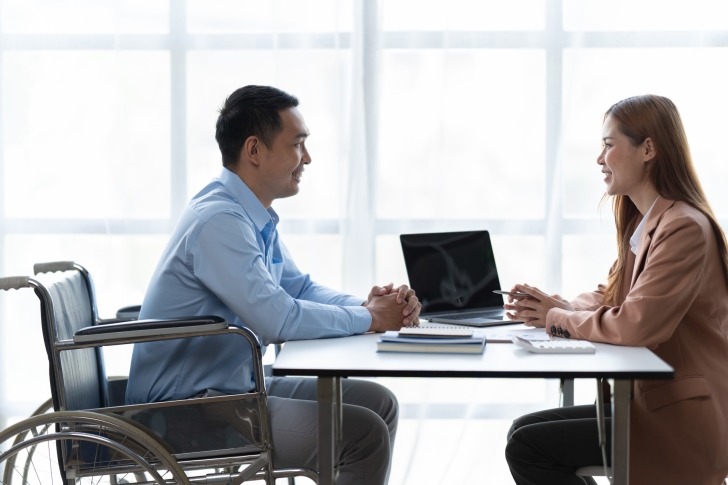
{"x": 260, "y": 216}
{"x": 634, "y": 241}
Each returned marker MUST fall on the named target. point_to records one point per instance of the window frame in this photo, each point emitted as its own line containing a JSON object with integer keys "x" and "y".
{"x": 553, "y": 39}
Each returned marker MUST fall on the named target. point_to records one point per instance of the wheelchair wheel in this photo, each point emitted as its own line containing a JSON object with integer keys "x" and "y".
{"x": 11, "y": 461}
{"x": 97, "y": 448}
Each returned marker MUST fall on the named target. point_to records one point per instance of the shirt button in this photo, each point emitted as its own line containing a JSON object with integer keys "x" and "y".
{"x": 566, "y": 334}
{"x": 553, "y": 329}
{"x": 561, "y": 332}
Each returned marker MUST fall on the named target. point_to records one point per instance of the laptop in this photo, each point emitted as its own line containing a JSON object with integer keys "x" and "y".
{"x": 454, "y": 275}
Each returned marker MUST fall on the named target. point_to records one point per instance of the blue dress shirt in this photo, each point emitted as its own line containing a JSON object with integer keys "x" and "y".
{"x": 225, "y": 258}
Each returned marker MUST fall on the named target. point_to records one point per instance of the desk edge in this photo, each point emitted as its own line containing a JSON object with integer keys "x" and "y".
{"x": 281, "y": 371}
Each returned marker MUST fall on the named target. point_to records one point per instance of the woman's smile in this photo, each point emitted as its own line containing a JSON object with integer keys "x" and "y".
{"x": 607, "y": 176}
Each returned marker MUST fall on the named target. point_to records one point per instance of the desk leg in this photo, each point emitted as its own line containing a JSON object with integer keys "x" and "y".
{"x": 327, "y": 393}
{"x": 567, "y": 392}
{"x": 620, "y": 431}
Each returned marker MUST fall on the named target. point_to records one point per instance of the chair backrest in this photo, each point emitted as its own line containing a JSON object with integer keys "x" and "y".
{"x": 78, "y": 380}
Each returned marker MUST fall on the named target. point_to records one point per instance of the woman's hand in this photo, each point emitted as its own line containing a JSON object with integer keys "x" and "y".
{"x": 532, "y": 309}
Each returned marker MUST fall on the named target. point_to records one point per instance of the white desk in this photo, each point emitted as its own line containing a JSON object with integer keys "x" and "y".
{"x": 331, "y": 359}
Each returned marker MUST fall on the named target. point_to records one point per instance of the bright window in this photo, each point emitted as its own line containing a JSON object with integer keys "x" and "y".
{"x": 425, "y": 116}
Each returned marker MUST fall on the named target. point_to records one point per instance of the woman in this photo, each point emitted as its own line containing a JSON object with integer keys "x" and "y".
{"x": 667, "y": 291}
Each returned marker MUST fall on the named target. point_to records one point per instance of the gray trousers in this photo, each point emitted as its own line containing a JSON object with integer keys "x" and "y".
{"x": 370, "y": 425}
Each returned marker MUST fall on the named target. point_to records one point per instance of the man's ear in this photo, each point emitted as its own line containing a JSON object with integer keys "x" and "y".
{"x": 648, "y": 150}
{"x": 251, "y": 150}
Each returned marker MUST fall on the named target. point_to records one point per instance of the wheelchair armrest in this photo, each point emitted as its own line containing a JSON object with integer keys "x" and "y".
{"x": 128, "y": 313}
{"x": 148, "y": 328}
{"x": 123, "y": 314}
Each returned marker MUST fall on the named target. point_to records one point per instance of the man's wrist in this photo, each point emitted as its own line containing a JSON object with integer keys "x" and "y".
{"x": 362, "y": 319}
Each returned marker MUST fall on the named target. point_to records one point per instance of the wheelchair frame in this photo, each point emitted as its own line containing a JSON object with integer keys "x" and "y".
{"x": 114, "y": 420}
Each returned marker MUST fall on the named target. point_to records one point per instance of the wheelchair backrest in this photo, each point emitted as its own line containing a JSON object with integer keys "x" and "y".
{"x": 78, "y": 380}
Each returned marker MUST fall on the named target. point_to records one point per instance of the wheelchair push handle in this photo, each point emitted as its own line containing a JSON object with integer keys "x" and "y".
{"x": 14, "y": 282}
{"x": 53, "y": 266}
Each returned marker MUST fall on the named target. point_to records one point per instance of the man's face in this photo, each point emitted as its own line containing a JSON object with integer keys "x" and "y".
{"x": 282, "y": 164}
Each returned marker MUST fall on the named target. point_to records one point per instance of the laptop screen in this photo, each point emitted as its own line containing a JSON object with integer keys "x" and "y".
{"x": 452, "y": 271}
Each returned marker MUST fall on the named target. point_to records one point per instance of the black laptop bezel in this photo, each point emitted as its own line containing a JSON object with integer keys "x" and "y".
{"x": 474, "y": 308}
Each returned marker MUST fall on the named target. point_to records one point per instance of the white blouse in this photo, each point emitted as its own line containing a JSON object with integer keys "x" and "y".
{"x": 634, "y": 241}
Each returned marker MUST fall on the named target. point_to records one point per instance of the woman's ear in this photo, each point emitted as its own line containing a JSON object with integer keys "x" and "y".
{"x": 648, "y": 150}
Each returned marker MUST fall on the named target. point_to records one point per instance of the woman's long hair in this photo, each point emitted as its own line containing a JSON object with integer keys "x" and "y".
{"x": 671, "y": 172}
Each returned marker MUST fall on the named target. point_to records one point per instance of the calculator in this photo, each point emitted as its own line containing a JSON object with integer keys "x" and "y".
{"x": 560, "y": 346}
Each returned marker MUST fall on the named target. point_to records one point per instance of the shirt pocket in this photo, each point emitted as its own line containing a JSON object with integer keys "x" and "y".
{"x": 276, "y": 270}
{"x": 688, "y": 387}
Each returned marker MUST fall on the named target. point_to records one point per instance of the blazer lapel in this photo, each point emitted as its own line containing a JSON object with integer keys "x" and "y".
{"x": 661, "y": 205}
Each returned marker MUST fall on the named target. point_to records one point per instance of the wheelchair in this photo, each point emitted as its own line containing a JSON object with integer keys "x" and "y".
{"x": 92, "y": 437}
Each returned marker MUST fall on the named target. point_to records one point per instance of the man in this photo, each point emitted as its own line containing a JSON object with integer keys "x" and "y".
{"x": 225, "y": 258}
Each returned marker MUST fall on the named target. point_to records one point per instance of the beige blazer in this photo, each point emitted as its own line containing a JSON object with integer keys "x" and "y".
{"x": 676, "y": 304}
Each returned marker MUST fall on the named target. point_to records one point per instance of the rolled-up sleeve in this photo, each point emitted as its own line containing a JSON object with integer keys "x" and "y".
{"x": 226, "y": 259}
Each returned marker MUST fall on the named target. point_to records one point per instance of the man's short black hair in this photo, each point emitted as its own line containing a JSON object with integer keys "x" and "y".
{"x": 250, "y": 111}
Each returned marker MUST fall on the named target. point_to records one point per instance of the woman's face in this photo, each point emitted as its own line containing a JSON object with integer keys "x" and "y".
{"x": 623, "y": 164}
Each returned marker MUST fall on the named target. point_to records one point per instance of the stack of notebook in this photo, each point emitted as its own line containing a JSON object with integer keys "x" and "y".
{"x": 433, "y": 339}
